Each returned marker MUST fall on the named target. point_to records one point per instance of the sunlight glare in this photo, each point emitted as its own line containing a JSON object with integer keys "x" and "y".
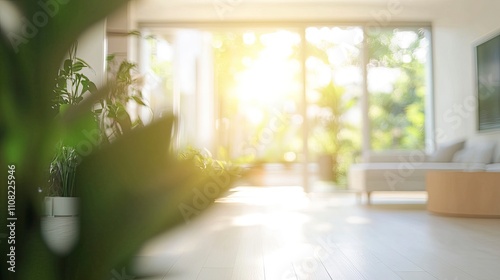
{"x": 405, "y": 38}
{"x": 247, "y": 61}
{"x": 348, "y": 75}
{"x": 382, "y": 79}
{"x": 270, "y": 77}
{"x": 217, "y": 44}
{"x": 290, "y": 156}
{"x": 318, "y": 72}
{"x": 337, "y": 56}
{"x": 165, "y": 51}
{"x": 249, "y": 38}
{"x": 407, "y": 58}
{"x": 357, "y": 220}
{"x": 313, "y": 36}
{"x": 254, "y": 115}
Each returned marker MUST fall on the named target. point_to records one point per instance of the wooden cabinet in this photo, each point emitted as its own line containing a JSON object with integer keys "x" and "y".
{"x": 474, "y": 194}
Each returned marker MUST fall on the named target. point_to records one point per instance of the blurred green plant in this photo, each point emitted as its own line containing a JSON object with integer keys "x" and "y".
{"x": 332, "y": 130}
{"x": 129, "y": 189}
{"x": 63, "y": 172}
{"x": 210, "y": 166}
{"x": 124, "y": 86}
{"x": 71, "y": 86}
{"x": 71, "y": 83}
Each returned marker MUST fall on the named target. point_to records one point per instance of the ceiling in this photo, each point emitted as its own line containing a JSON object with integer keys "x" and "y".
{"x": 308, "y": 2}
{"x": 343, "y": 10}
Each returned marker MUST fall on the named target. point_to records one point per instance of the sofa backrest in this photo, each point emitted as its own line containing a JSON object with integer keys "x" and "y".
{"x": 479, "y": 149}
{"x": 396, "y": 156}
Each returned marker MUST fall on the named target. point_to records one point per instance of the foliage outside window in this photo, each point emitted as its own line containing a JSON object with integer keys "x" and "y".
{"x": 397, "y": 88}
{"x": 258, "y": 78}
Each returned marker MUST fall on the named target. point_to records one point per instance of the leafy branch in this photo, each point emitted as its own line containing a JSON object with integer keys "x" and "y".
{"x": 71, "y": 84}
{"x": 125, "y": 87}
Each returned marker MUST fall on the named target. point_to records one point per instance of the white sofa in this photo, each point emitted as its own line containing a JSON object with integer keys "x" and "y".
{"x": 406, "y": 170}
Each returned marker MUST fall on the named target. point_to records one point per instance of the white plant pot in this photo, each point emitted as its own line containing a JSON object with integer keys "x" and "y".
{"x": 48, "y": 204}
{"x": 62, "y": 206}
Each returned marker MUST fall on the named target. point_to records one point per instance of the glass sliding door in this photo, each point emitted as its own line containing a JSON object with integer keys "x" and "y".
{"x": 259, "y": 88}
{"x": 157, "y": 62}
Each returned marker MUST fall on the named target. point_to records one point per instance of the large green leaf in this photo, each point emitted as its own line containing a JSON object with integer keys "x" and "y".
{"x": 131, "y": 189}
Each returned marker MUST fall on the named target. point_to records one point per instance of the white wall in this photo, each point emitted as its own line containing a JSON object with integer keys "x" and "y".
{"x": 92, "y": 49}
{"x": 455, "y": 34}
{"x": 117, "y": 28}
{"x": 119, "y": 24}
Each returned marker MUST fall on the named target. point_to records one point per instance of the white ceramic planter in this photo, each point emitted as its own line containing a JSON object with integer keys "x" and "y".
{"x": 60, "y": 233}
{"x": 48, "y": 202}
{"x": 62, "y": 206}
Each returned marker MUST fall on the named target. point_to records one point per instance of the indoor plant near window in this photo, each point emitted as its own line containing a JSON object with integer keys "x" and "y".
{"x": 110, "y": 113}
{"x": 61, "y": 200}
{"x": 213, "y": 168}
{"x": 71, "y": 85}
{"x": 332, "y": 137}
{"x": 219, "y": 175}
{"x": 125, "y": 88}
{"x": 138, "y": 169}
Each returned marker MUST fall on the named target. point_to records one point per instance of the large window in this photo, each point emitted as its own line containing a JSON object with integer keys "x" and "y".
{"x": 397, "y": 86}
{"x": 259, "y": 89}
{"x": 295, "y": 95}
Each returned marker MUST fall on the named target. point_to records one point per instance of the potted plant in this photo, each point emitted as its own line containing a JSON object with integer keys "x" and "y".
{"x": 333, "y": 124}
{"x": 71, "y": 86}
{"x": 61, "y": 200}
{"x": 164, "y": 182}
{"x": 255, "y": 174}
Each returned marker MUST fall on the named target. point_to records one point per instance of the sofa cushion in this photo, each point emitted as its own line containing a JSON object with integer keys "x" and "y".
{"x": 481, "y": 152}
{"x": 445, "y": 151}
{"x": 495, "y": 167}
{"x": 496, "y": 157}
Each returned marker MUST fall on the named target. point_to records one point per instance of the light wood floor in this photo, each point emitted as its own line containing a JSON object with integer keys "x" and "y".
{"x": 277, "y": 233}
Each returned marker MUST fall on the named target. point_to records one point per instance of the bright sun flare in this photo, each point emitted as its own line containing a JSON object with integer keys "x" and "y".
{"x": 273, "y": 76}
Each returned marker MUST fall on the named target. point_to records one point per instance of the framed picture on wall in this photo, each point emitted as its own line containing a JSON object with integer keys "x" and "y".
{"x": 488, "y": 83}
